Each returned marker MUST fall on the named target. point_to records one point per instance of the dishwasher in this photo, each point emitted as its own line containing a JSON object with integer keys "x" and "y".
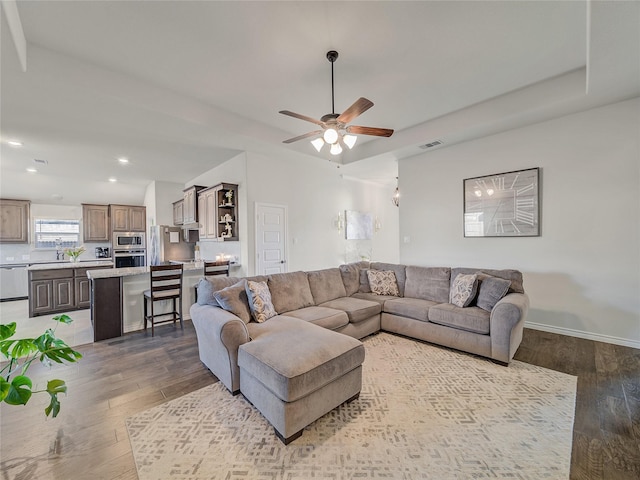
{"x": 14, "y": 283}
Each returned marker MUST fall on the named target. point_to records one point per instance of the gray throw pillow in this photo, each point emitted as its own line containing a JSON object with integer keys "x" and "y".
{"x": 205, "y": 293}
{"x": 234, "y": 299}
{"x": 491, "y": 290}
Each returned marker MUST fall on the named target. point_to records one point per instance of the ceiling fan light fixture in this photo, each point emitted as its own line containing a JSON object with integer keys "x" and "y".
{"x": 336, "y": 149}
{"x": 318, "y": 143}
{"x": 349, "y": 140}
{"x": 330, "y": 136}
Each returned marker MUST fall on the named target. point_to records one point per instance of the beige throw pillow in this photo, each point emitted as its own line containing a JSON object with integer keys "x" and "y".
{"x": 260, "y": 301}
{"x": 383, "y": 282}
{"x": 463, "y": 290}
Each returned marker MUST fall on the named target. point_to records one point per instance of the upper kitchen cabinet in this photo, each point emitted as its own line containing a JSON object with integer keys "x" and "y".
{"x": 95, "y": 223}
{"x": 178, "y": 212}
{"x": 190, "y": 205}
{"x": 14, "y": 221}
{"x": 219, "y": 212}
{"x": 128, "y": 218}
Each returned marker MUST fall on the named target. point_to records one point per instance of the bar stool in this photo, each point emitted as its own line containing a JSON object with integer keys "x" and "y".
{"x": 219, "y": 267}
{"x": 166, "y": 284}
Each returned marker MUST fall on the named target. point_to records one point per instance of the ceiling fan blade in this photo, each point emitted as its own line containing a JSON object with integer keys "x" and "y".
{"x": 301, "y": 117}
{"x": 358, "y": 108}
{"x": 300, "y": 137}
{"x": 377, "y": 132}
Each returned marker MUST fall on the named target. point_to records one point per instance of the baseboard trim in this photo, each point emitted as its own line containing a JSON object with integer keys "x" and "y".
{"x": 581, "y": 334}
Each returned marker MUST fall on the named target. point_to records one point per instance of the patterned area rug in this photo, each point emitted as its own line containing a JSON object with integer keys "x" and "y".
{"x": 424, "y": 413}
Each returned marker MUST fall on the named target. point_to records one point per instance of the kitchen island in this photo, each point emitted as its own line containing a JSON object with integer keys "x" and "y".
{"x": 60, "y": 286}
{"x": 117, "y": 302}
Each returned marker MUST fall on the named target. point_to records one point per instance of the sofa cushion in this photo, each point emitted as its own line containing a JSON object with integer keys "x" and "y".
{"x": 514, "y": 276}
{"x": 321, "y": 356}
{"x": 463, "y": 290}
{"x": 325, "y": 317}
{"x": 415, "y": 308}
{"x": 364, "y": 282}
{"x": 490, "y": 291}
{"x": 350, "y": 274}
{"x": 381, "y": 299}
{"x": 260, "y": 301}
{"x": 234, "y": 299}
{"x": 357, "y": 310}
{"x": 290, "y": 291}
{"x": 472, "y": 319}
{"x": 383, "y": 282}
{"x": 326, "y": 285}
{"x": 428, "y": 283}
{"x": 399, "y": 270}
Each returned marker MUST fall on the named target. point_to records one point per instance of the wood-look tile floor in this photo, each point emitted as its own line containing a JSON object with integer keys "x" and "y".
{"x": 118, "y": 378}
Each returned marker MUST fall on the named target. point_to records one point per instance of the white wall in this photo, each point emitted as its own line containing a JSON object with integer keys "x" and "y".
{"x": 583, "y": 272}
{"x": 159, "y": 198}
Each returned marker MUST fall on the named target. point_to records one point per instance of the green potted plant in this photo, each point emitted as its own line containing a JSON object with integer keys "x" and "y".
{"x": 74, "y": 252}
{"x": 20, "y": 353}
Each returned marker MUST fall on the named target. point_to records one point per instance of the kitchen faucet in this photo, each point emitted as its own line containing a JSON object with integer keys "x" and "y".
{"x": 59, "y": 255}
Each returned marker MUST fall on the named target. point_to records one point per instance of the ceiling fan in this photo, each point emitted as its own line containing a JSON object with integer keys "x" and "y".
{"x": 335, "y": 130}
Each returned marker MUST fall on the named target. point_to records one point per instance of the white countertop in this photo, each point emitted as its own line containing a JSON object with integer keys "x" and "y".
{"x": 130, "y": 271}
{"x": 59, "y": 265}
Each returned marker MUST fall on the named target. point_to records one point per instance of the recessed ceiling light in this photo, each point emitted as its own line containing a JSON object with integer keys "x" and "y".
{"x": 123, "y": 160}
{"x": 113, "y": 179}
{"x": 15, "y": 143}
{"x": 56, "y": 196}
{"x": 32, "y": 170}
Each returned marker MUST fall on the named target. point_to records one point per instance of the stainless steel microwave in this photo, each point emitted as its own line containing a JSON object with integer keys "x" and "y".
{"x": 128, "y": 240}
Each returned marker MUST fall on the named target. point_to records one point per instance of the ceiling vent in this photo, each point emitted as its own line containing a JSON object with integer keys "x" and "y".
{"x": 40, "y": 162}
{"x": 435, "y": 143}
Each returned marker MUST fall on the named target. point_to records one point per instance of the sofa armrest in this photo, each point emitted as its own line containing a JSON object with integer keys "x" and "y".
{"x": 507, "y": 325}
{"x": 219, "y": 334}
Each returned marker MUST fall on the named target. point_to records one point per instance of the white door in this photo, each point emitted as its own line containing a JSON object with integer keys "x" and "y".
{"x": 271, "y": 238}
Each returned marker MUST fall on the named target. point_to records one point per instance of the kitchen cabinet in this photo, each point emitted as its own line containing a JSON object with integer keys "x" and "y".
{"x": 128, "y": 218}
{"x": 59, "y": 290}
{"x": 219, "y": 220}
{"x": 190, "y": 204}
{"x": 178, "y": 212}
{"x": 95, "y": 223}
{"x": 14, "y": 221}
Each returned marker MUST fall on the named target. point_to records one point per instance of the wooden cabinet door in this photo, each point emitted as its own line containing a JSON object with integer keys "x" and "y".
{"x": 40, "y": 297}
{"x": 189, "y": 206}
{"x": 211, "y": 223}
{"x": 95, "y": 223}
{"x": 202, "y": 215}
{"x": 120, "y": 218}
{"x": 83, "y": 292}
{"x": 14, "y": 221}
{"x": 178, "y": 212}
{"x": 63, "y": 293}
{"x": 137, "y": 219}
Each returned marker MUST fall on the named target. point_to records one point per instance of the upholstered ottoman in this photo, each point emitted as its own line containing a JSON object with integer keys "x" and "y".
{"x": 294, "y": 372}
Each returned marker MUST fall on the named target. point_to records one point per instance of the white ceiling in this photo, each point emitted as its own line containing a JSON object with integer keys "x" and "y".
{"x": 179, "y": 87}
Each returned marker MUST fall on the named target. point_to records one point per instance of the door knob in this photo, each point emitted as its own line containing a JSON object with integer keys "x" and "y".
{"x": 281, "y": 261}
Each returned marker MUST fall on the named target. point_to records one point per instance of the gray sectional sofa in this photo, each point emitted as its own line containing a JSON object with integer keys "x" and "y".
{"x": 306, "y": 360}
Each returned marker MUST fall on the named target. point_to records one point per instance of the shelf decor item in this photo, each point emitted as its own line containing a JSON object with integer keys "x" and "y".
{"x": 502, "y": 205}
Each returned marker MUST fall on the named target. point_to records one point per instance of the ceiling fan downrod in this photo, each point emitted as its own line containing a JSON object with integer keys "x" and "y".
{"x": 332, "y": 56}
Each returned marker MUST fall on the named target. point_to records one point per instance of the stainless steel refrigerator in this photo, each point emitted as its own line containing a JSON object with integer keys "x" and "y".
{"x": 168, "y": 243}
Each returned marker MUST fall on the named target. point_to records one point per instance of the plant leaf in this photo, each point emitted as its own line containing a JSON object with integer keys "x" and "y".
{"x": 4, "y": 389}
{"x": 63, "y": 319}
{"x": 18, "y": 348}
{"x": 60, "y": 354}
{"x": 7, "y": 331}
{"x": 19, "y": 391}
{"x": 54, "y": 387}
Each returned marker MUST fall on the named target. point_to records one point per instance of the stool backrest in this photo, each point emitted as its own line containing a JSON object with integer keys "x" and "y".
{"x": 219, "y": 267}
{"x": 165, "y": 277}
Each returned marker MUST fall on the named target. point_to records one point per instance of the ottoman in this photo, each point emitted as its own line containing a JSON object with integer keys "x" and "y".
{"x": 294, "y": 372}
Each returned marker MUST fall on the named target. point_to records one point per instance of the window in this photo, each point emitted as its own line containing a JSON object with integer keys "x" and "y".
{"x": 57, "y": 233}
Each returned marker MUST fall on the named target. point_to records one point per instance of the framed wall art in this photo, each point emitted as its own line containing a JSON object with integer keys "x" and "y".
{"x": 359, "y": 226}
{"x": 503, "y": 205}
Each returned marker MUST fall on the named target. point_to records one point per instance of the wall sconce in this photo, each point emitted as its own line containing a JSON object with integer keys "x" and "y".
{"x": 339, "y": 222}
{"x": 396, "y": 195}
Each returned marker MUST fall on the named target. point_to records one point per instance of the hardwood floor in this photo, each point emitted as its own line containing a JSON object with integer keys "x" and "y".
{"x": 120, "y": 377}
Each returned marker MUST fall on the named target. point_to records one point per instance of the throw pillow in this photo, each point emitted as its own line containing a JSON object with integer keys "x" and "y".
{"x": 260, "y": 301}
{"x": 205, "y": 293}
{"x": 383, "y": 282}
{"x": 463, "y": 290}
{"x": 234, "y": 299}
{"x": 491, "y": 290}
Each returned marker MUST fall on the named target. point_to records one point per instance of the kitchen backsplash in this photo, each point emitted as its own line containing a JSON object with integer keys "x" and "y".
{"x": 23, "y": 253}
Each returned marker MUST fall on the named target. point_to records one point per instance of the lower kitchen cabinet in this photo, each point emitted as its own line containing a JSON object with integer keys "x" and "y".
{"x": 58, "y": 290}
